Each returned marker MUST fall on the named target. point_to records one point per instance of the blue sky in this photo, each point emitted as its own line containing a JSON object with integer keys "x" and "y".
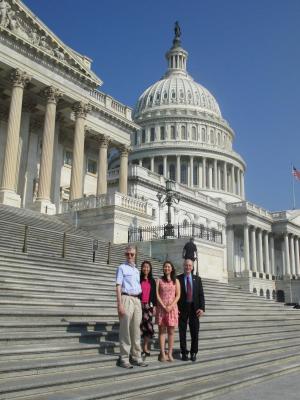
{"x": 246, "y": 52}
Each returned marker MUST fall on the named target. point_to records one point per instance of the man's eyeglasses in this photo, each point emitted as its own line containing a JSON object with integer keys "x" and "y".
{"x": 130, "y": 254}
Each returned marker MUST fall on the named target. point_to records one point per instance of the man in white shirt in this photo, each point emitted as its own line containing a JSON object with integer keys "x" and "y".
{"x": 128, "y": 291}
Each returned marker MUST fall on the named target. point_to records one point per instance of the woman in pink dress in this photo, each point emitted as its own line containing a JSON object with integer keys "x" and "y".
{"x": 168, "y": 293}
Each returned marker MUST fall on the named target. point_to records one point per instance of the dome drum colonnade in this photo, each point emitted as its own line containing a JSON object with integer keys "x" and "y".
{"x": 52, "y": 96}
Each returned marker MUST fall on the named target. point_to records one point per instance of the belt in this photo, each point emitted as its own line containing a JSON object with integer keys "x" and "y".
{"x": 131, "y": 295}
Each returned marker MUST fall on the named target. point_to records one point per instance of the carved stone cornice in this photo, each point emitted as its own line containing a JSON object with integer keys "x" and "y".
{"x": 81, "y": 109}
{"x": 19, "y": 78}
{"x": 52, "y": 94}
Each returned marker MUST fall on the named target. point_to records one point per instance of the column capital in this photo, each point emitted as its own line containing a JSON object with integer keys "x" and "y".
{"x": 103, "y": 141}
{"x": 52, "y": 94}
{"x": 124, "y": 150}
{"x": 81, "y": 109}
{"x": 19, "y": 78}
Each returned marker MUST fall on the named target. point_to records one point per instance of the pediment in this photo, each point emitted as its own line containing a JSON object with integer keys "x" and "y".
{"x": 18, "y": 20}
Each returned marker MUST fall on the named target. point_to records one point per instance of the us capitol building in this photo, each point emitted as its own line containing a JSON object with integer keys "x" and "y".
{"x": 66, "y": 148}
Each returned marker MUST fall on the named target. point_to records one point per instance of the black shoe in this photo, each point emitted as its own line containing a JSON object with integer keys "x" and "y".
{"x": 184, "y": 357}
{"x": 193, "y": 356}
{"x": 146, "y": 354}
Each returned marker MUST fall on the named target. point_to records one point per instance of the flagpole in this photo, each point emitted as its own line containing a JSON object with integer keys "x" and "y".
{"x": 293, "y": 186}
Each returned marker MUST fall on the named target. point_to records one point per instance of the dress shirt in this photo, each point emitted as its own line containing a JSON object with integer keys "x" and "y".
{"x": 128, "y": 277}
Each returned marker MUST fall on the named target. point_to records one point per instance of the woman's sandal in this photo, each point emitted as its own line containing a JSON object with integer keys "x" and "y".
{"x": 170, "y": 358}
{"x": 162, "y": 357}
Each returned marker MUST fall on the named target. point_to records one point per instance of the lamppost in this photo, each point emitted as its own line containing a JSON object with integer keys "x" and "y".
{"x": 170, "y": 196}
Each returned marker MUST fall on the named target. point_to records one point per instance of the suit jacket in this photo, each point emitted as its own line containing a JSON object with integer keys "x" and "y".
{"x": 198, "y": 294}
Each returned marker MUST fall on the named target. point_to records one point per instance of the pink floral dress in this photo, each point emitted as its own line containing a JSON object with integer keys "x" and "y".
{"x": 167, "y": 292}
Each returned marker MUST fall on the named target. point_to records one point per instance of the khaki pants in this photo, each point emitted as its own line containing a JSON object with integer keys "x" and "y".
{"x": 130, "y": 334}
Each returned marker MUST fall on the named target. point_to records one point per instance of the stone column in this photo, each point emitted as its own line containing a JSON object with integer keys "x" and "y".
{"x": 43, "y": 201}
{"x": 165, "y": 167}
{"x": 272, "y": 253}
{"x": 191, "y": 171}
{"x": 242, "y": 185}
{"x": 204, "y": 172}
{"x": 225, "y": 177}
{"x": 246, "y": 248}
{"x": 123, "y": 173}
{"x": 292, "y": 254}
{"x": 8, "y": 193}
{"x": 260, "y": 251}
{"x": 219, "y": 183}
{"x": 253, "y": 249}
{"x": 210, "y": 175}
{"x": 267, "y": 256}
{"x": 80, "y": 109}
{"x": 238, "y": 181}
{"x": 230, "y": 248}
{"x": 102, "y": 165}
{"x": 232, "y": 180}
{"x": 215, "y": 175}
{"x": 178, "y": 177}
{"x": 152, "y": 164}
{"x": 297, "y": 261}
{"x": 200, "y": 175}
{"x": 286, "y": 255}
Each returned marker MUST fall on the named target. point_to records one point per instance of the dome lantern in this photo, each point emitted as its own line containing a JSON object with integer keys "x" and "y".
{"x": 176, "y": 56}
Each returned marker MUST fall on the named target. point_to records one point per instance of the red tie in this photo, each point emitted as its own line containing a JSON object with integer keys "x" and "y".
{"x": 189, "y": 297}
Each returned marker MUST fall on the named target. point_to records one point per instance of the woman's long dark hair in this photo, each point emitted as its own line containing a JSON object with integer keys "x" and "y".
{"x": 173, "y": 272}
{"x": 142, "y": 276}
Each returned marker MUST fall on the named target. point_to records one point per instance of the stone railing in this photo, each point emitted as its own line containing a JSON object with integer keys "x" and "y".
{"x": 247, "y": 206}
{"x": 113, "y": 199}
{"x": 279, "y": 215}
{"x": 111, "y": 104}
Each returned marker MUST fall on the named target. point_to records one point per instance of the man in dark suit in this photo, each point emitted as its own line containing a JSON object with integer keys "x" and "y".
{"x": 191, "y": 307}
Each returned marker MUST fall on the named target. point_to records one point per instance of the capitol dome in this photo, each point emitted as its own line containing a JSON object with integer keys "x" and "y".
{"x": 177, "y": 88}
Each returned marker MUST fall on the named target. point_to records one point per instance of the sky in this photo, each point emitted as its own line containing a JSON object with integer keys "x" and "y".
{"x": 245, "y": 52}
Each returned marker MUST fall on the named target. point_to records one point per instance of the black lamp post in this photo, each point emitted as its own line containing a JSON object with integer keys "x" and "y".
{"x": 170, "y": 196}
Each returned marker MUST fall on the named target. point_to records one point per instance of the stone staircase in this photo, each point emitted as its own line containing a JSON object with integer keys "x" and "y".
{"x": 59, "y": 336}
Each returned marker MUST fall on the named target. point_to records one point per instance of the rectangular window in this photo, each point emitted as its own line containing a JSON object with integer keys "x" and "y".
{"x": 162, "y": 133}
{"x": 135, "y": 139}
{"x": 143, "y": 136}
{"x": 152, "y": 135}
{"x": 68, "y": 157}
{"x": 173, "y": 132}
{"x": 92, "y": 166}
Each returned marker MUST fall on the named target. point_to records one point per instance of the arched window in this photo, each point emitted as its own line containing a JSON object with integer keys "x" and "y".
{"x": 173, "y": 132}
{"x": 172, "y": 172}
{"x": 268, "y": 294}
{"x": 194, "y": 133}
{"x": 183, "y": 174}
{"x": 165, "y": 95}
{"x": 254, "y": 290}
{"x": 212, "y": 137}
{"x": 183, "y": 133}
{"x": 162, "y": 133}
{"x": 261, "y": 292}
{"x": 160, "y": 169}
{"x": 173, "y": 94}
{"x": 203, "y": 133}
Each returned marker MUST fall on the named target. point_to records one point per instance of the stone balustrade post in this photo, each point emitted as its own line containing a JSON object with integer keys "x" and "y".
{"x": 80, "y": 109}
{"x": 8, "y": 193}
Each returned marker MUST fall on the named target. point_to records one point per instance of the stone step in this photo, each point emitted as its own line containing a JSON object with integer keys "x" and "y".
{"x": 13, "y": 369}
{"x": 157, "y": 377}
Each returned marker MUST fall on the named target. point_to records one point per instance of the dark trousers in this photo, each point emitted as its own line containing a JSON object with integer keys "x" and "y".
{"x": 188, "y": 316}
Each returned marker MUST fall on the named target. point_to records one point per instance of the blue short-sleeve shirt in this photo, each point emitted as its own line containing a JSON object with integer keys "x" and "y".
{"x": 128, "y": 277}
